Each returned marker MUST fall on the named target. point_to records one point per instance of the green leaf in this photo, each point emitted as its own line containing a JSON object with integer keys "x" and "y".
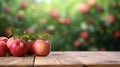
{"x": 45, "y": 36}
{"x": 15, "y": 31}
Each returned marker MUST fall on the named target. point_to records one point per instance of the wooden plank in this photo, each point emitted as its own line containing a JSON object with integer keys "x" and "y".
{"x": 109, "y": 53}
{"x": 97, "y": 59}
{"x": 10, "y": 61}
{"x": 65, "y": 59}
{"x": 57, "y": 59}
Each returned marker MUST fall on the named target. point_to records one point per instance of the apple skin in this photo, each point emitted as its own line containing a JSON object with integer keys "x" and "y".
{"x": 5, "y": 39}
{"x": 18, "y": 48}
{"x": 3, "y": 49}
{"x": 42, "y": 47}
{"x": 10, "y": 41}
{"x": 29, "y": 46}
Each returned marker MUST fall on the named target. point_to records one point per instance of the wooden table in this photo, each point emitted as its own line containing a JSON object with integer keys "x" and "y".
{"x": 65, "y": 59}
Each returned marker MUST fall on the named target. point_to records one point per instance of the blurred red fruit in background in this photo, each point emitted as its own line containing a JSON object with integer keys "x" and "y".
{"x": 68, "y": 21}
{"x": 114, "y": 5}
{"x": 103, "y": 49}
{"x": 112, "y": 19}
{"x": 85, "y": 35}
{"x": 7, "y": 10}
{"x": 8, "y": 32}
{"x": 25, "y": 5}
{"x": 55, "y": 14}
{"x": 61, "y": 20}
{"x": 30, "y": 30}
{"x": 21, "y": 16}
{"x": 100, "y": 8}
{"x": 84, "y": 9}
{"x": 117, "y": 34}
{"x": 90, "y": 21}
{"x": 77, "y": 43}
{"x": 91, "y": 3}
{"x": 88, "y": 41}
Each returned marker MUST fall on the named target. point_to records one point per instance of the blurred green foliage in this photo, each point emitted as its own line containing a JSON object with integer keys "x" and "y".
{"x": 74, "y": 24}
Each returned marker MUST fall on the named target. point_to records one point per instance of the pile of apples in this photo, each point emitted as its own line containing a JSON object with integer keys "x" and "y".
{"x": 19, "y": 47}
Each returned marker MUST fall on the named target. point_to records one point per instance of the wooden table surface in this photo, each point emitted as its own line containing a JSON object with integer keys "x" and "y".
{"x": 65, "y": 59}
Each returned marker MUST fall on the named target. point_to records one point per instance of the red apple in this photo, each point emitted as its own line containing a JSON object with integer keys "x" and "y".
{"x": 90, "y": 21}
{"x": 112, "y": 19}
{"x": 85, "y": 35}
{"x": 103, "y": 49}
{"x": 55, "y": 14}
{"x": 61, "y": 20}
{"x": 68, "y": 21}
{"x": 25, "y": 5}
{"x": 29, "y": 46}
{"x": 100, "y": 8}
{"x": 102, "y": 28}
{"x": 10, "y": 41}
{"x": 88, "y": 41}
{"x": 7, "y": 10}
{"x": 5, "y": 39}
{"x": 3, "y": 49}
{"x": 43, "y": 21}
{"x": 42, "y": 47}
{"x": 117, "y": 34}
{"x": 115, "y": 5}
{"x": 8, "y": 32}
{"x": 49, "y": 31}
{"x": 77, "y": 43}
{"x": 21, "y": 16}
{"x": 30, "y": 30}
{"x": 91, "y": 3}
{"x": 18, "y": 48}
{"x": 84, "y": 9}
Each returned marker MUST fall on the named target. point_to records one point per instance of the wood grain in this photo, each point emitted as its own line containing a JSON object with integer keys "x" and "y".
{"x": 65, "y": 59}
{"x": 57, "y": 59}
{"x": 98, "y": 59}
{"x": 11, "y": 61}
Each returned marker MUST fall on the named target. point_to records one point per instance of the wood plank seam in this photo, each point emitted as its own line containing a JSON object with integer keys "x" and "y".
{"x": 84, "y": 65}
{"x": 33, "y": 65}
{"x": 79, "y": 59}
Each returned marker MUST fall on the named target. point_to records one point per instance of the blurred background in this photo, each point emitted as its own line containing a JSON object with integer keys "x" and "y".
{"x": 84, "y": 25}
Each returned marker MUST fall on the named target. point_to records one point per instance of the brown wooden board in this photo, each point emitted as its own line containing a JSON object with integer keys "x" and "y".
{"x": 57, "y": 59}
{"x": 97, "y": 59}
{"x": 65, "y": 59}
{"x": 11, "y": 61}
